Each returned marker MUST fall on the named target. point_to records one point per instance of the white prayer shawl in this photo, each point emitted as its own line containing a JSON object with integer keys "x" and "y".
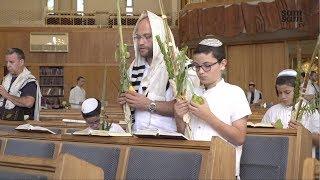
{"x": 156, "y": 79}
{"x": 23, "y": 78}
{"x": 256, "y": 96}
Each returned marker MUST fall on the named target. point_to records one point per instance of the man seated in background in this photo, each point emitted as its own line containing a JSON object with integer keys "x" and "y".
{"x": 20, "y": 91}
{"x": 254, "y": 96}
{"x": 77, "y": 94}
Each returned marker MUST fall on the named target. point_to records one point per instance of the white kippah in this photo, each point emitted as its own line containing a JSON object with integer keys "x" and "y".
{"x": 288, "y": 72}
{"x": 211, "y": 42}
{"x": 89, "y": 105}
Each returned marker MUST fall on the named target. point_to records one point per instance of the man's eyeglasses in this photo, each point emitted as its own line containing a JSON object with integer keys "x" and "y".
{"x": 144, "y": 37}
{"x": 206, "y": 67}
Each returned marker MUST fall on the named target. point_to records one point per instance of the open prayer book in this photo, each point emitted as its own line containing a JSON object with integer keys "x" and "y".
{"x": 92, "y": 132}
{"x": 30, "y": 128}
{"x": 159, "y": 134}
{"x": 260, "y": 125}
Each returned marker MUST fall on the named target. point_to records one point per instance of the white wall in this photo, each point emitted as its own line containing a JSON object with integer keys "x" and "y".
{"x": 20, "y": 12}
{"x": 100, "y": 5}
{"x": 22, "y": 4}
{"x": 152, "y": 5}
{"x": 138, "y": 5}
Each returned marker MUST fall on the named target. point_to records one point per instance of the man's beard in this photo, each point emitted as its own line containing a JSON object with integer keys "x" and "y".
{"x": 149, "y": 54}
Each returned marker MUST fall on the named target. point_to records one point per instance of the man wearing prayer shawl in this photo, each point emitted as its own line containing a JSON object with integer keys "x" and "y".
{"x": 153, "y": 99}
{"x": 20, "y": 92}
{"x": 254, "y": 96}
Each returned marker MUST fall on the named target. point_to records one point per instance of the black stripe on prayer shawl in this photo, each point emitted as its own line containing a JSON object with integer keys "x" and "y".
{"x": 137, "y": 75}
{"x": 132, "y": 116}
{"x": 135, "y": 68}
{"x": 136, "y": 83}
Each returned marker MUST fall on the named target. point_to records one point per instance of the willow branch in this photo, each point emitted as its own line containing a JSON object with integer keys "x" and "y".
{"x": 305, "y": 80}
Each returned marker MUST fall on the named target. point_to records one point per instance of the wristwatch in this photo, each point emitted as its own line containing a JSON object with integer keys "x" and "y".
{"x": 152, "y": 107}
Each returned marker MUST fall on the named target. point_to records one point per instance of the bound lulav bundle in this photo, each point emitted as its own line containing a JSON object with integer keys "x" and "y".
{"x": 309, "y": 107}
{"x": 122, "y": 56}
{"x": 175, "y": 63}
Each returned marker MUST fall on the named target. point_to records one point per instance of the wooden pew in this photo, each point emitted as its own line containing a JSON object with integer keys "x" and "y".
{"x": 114, "y": 112}
{"x": 257, "y": 114}
{"x": 211, "y": 153}
{"x": 298, "y": 146}
{"x": 311, "y": 169}
{"x": 59, "y": 127}
{"x": 64, "y": 167}
{"x": 118, "y": 156}
{"x": 59, "y": 114}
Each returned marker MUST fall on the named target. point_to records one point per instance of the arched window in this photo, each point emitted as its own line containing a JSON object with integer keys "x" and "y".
{"x": 50, "y": 5}
{"x": 129, "y": 7}
{"x": 80, "y": 5}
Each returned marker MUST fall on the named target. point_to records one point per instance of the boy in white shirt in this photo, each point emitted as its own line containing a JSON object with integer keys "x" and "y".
{"x": 225, "y": 109}
{"x": 90, "y": 110}
{"x": 285, "y": 83}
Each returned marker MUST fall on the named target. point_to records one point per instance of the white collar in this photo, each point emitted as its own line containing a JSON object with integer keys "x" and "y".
{"x": 219, "y": 84}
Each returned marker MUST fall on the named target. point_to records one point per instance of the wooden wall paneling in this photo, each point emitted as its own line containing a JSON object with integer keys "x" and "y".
{"x": 255, "y": 68}
{"x": 17, "y": 39}
{"x": 94, "y": 81}
{"x": 95, "y": 46}
{"x": 238, "y": 65}
{"x": 35, "y": 70}
{"x": 1, "y": 73}
{"x": 273, "y": 61}
{"x": 259, "y": 63}
{"x": 86, "y": 45}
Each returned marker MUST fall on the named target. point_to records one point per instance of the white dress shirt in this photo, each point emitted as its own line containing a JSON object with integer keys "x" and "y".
{"x": 145, "y": 120}
{"x": 228, "y": 103}
{"x": 76, "y": 97}
{"x": 257, "y": 94}
{"x": 279, "y": 111}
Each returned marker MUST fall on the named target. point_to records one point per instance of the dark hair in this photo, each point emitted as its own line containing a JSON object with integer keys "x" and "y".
{"x": 17, "y": 51}
{"x": 80, "y": 77}
{"x": 285, "y": 80}
{"x": 312, "y": 72}
{"x": 217, "y": 52}
{"x": 93, "y": 113}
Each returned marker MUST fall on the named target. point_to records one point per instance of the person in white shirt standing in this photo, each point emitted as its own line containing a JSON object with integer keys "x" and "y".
{"x": 77, "y": 94}
{"x": 225, "y": 109}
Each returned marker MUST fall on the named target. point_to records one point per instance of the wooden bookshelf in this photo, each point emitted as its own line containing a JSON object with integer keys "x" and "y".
{"x": 52, "y": 85}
